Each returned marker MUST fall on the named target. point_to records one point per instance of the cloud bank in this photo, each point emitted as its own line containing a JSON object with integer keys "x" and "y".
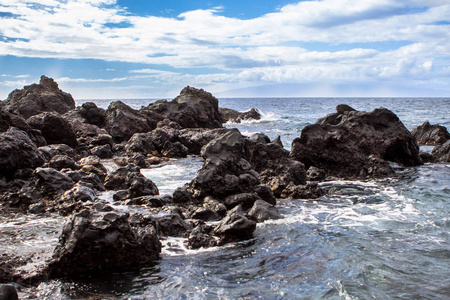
{"x": 333, "y": 42}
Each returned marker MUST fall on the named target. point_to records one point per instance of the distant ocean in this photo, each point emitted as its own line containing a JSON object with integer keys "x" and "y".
{"x": 379, "y": 239}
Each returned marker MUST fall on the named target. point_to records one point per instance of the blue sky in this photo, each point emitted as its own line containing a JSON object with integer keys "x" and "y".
{"x": 116, "y": 49}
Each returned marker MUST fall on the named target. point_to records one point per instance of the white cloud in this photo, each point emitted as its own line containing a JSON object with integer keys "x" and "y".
{"x": 269, "y": 49}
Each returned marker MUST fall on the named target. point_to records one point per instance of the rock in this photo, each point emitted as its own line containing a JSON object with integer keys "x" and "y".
{"x": 53, "y": 181}
{"x": 59, "y": 162}
{"x": 234, "y": 227}
{"x": 37, "y": 208}
{"x": 8, "y": 292}
{"x": 92, "y": 114}
{"x": 216, "y": 206}
{"x": 278, "y": 141}
{"x": 182, "y": 196}
{"x": 193, "y": 108}
{"x": 234, "y": 116}
{"x": 150, "y": 201}
{"x": 122, "y": 195}
{"x": 308, "y": 191}
{"x": 224, "y": 172}
{"x": 103, "y": 151}
{"x": 17, "y": 151}
{"x": 141, "y": 143}
{"x": 172, "y": 225}
{"x": 131, "y": 179}
{"x": 174, "y": 150}
{"x": 342, "y": 143}
{"x": 427, "y": 134}
{"x": 246, "y": 200}
{"x": 263, "y": 211}
{"x": 204, "y": 214}
{"x": 80, "y": 192}
{"x": 273, "y": 163}
{"x": 102, "y": 242}
{"x": 122, "y": 121}
{"x": 54, "y": 128}
{"x": 194, "y": 139}
{"x": 315, "y": 174}
{"x": 37, "y": 98}
{"x": 265, "y": 193}
{"x": 57, "y": 149}
{"x": 259, "y": 137}
{"x": 442, "y": 152}
{"x": 201, "y": 237}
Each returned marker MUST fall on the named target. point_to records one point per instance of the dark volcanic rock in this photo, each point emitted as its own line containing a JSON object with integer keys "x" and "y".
{"x": 102, "y": 242}
{"x": 231, "y": 115}
{"x": 234, "y": 227}
{"x": 193, "y": 108}
{"x": 201, "y": 237}
{"x": 54, "y": 181}
{"x": 263, "y": 211}
{"x": 37, "y": 98}
{"x": 17, "y": 151}
{"x": 442, "y": 152}
{"x": 194, "y": 139}
{"x": 122, "y": 121}
{"x": 8, "y": 292}
{"x": 347, "y": 143}
{"x": 308, "y": 191}
{"x": 54, "y": 128}
{"x": 427, "y": 134}
{"x": 131, "y": 179}
{"x": 92, "y": 114}
{"x": 273, "y": 163}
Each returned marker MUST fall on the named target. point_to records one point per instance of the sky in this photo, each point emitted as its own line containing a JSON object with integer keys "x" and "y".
{"x": 123, "y": 49}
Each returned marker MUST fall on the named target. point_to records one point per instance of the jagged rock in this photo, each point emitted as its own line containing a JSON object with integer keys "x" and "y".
{"x": 265, "y": 193}
{"x": 442, "y": 152}
{"x": 182, "y": 196}
{"x": 246, "y": 200}
{"x": 193, "y": 108}
{"x": 201, "y": 237}
{"x": 102, "y": 242}
{"x": 273, "y": 163}
{"x": 204, "y": 214}
{"x": 315, "y": 174}
{"x": 103, "y": 151}
{"x": 122, "y": 195}
{"x": 231, "y": 115}
{"x": 342, "y": 143}
{"x": 194, "y": 139}
{"x": 216, "y": 206}
{"x": 122, "y": 121}
{"x": 37, "y": 208}
{"x": 308, "y": 191}
{"x": 174, "y": 150}
{"x": 234, "y": 227}
{"x": 53, "y": 181}
{"x": 54, "y": 128}
{"x": 263, "y": 211}
{"x": 92, "y": 114}
{"x": 131, "y": 179}
{"x": 37, "y": 98}
{"x": 259, "y": 137}
{"x": 427, "y": 134}
{"x": 80, "y": 192}
{"x": 17, "y": 151}
{"x": 57, "y": 149}
{"x": 172, "y": 225}
{"x": 59, "y": 162}
{"x": 150, "y": 201}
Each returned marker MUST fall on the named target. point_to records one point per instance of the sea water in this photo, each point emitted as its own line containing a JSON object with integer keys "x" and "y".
{"x": 377, "y": 239}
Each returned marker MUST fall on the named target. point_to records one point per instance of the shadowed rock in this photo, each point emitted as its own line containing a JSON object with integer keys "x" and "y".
{"x": 427, "y": 134}
{"x": 234, "y": 116}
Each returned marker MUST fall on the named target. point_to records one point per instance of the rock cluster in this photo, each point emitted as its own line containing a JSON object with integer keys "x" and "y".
{"x": 58, "y": 158}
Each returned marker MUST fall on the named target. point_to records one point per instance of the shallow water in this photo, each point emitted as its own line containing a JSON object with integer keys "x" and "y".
{"x": 386, "y": 239}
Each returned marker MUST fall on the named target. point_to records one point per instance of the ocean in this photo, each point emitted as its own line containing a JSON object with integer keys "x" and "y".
{"x": 378, "y": 239}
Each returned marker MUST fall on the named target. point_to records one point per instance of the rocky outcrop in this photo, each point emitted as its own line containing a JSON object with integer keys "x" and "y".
{"x": 351, "y": 143}
{"x": 273, "y": 163}
{"x": 131, "y": 179}
{"x": 427, "y": 134}
{"x": 193, "y": 108}
{"x": 441, "y": 153}
{"x": 122, "y": 121}
{"x": 37, "y": 98}
{"x": 17, "y": 151}
{"x": 103, "y": 242}
{"x": 234, "y": 116}
{"x": 54, "y": 128}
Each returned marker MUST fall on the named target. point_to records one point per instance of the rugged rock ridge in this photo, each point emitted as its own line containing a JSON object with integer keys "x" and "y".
{"x": 37, "y": 98}
{"x": 351, "y": 143}
{"x": 427, "y": 134}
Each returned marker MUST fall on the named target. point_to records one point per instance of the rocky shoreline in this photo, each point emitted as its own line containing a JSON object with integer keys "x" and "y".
{"x": 53, "y": 159}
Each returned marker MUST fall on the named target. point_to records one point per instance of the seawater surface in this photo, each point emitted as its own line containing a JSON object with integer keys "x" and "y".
{"x": 377, "y": 239}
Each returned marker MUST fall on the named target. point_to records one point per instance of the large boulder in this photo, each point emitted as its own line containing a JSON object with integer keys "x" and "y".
{"x": 37, "y": 98}
{"x": 193, "y": 108}
{"x": 17, "y": 151}
{"x": 102, "y": 242}
{"x": 195, "y": 138}
{"x": 54, "y": 128}
{"x": 348, "y": 143}
{"x": 122, "y": 121}
{"x": 427, "y": 134}
{"x": 234, "y": 227}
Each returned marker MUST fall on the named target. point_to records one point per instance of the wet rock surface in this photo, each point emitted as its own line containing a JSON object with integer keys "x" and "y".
{"x": 343, "y": 143}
